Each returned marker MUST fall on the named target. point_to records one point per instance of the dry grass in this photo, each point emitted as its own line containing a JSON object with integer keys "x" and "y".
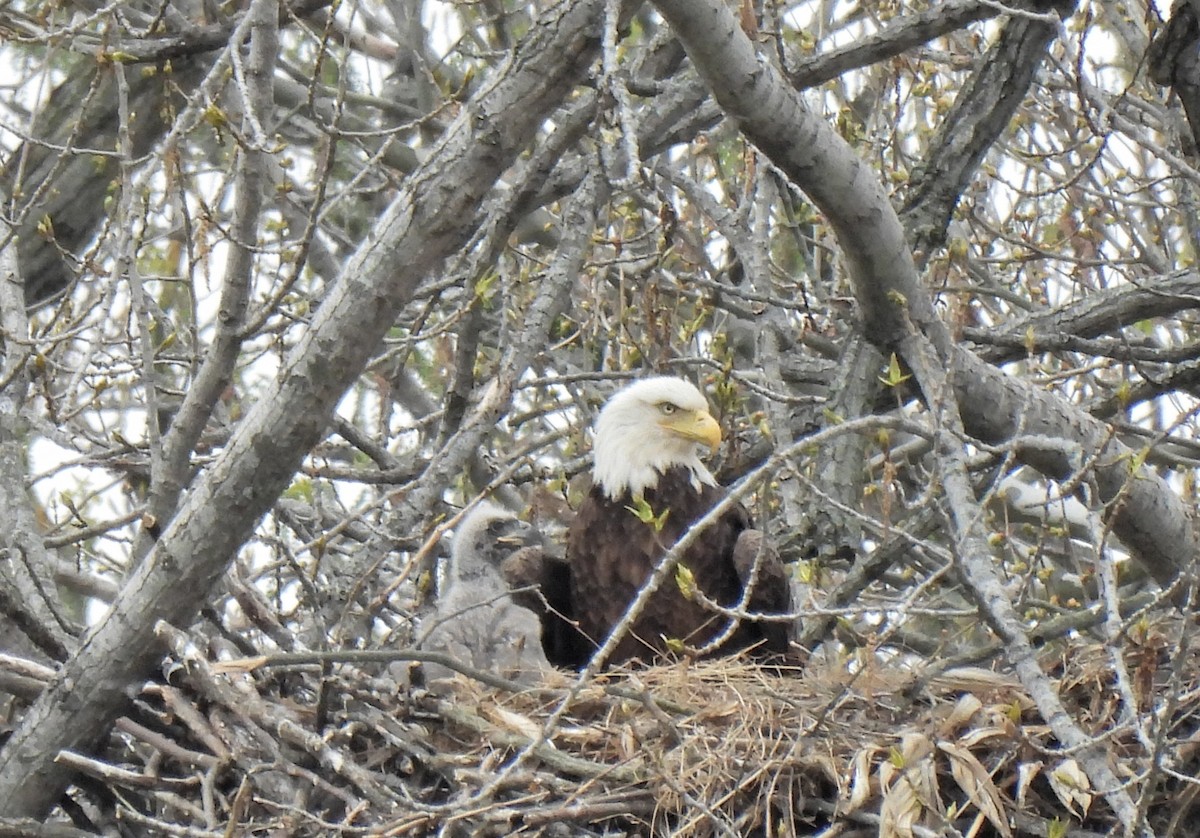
{"x": 716, "y": 748}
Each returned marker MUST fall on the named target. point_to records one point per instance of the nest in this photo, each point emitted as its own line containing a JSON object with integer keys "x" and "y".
{"x": 714, "y": 748}
{"x": 729, "y": 747}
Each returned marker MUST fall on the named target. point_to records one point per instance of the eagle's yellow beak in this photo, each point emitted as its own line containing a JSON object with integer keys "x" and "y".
{"x": 696, "y": 425}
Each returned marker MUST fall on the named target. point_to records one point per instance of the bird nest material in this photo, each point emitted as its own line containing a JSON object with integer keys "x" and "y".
{"x": 729, "y": 747}
{"x": 713, "y": 748}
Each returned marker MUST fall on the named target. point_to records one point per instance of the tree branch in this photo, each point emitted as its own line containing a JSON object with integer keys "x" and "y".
{"x": 981, "y": 113}
{"x": 433, "y": 215}
{"x": 216, "y": 371}
{"x": 898, "y": 316}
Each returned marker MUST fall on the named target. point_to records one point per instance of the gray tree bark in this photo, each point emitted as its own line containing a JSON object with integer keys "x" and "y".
{"x": 898, "y": 316}
{"x": 894, "y": 305}
{"x": 433, "y": 215}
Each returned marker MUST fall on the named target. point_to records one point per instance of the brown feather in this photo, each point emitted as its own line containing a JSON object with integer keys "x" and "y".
{"x": 541, "y": 583}
{"x": 612, "y": 554}
{"x": 772, "y": 589}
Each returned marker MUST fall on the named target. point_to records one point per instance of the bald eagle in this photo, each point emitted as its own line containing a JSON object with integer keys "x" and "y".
{"x": 476, "y": 620}
{"x": 647, "y": 447}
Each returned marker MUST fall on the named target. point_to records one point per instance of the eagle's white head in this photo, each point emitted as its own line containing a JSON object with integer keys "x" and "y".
{"x": 650, "y": 426}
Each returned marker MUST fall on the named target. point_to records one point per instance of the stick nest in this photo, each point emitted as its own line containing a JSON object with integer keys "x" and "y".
{"x": 724, "y": 747}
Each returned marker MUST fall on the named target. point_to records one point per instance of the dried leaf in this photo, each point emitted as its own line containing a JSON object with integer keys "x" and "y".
{"x": 975, "y": 781}
{"x": 513, "y": 722}
{"x": 975, "y": 679}
{"x": 964, "y": 710}
{"x": 901, "y": 809}
{"x": 627, "y": 743}
{"x": 970, "y": 740}
{"x": 860, "y": 779}
{"x": 1026, "y": 773}
{"x": 578, "y": 735}
{"x": 238, "y": 665}
{"x": 1072, "y": 787}
{"x": 909, "y": 786}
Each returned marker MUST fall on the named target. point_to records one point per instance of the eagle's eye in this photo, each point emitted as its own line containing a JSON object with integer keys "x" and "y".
{"x": 667, "y": 408}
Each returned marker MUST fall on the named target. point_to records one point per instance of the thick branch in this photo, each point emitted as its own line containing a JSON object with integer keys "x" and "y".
{"x": 216, "y": 371}
{"x": 1099, "y": 312}
{"x": 980, "y": 114}
{"x": 977, "y": 567}
{"x": 773, "y": 116}
{"x": 63, "y": 171}
{"x": 899, "y": 316}
{"x": 1150, "y": 517}
{"x": 900, "y": 35}
{"x": 431, "y": 217}
{"x": 28, "y": 597}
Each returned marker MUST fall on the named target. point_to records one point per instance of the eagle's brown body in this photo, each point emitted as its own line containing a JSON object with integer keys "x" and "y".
{"x": 612, "y": 553}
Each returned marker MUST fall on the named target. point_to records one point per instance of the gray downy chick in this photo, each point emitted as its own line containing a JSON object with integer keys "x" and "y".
{"x": 476, "y": 620}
